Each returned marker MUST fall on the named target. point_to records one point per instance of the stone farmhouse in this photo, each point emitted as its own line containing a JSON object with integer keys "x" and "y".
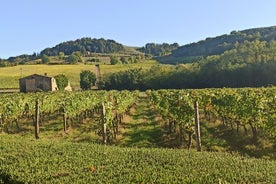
{"x": 35, "y": 83}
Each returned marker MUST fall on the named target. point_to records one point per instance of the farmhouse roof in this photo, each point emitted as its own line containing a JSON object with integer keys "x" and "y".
{"x": 36, "y": 75}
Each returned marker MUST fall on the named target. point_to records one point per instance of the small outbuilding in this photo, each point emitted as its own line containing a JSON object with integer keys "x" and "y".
{"x": 35, "y": 83}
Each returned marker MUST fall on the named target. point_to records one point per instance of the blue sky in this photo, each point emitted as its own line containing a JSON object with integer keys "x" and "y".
{"x": 28, "y": 26}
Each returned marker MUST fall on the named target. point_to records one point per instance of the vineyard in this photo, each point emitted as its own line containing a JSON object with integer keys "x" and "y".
{"x": 236, "y": 108}
{"x": 248, "y": 112}
{"x": 71, "y": 106}
{"x": 250, "y": 109}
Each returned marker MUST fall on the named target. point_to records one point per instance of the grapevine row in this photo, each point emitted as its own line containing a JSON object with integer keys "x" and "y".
{"x": 248, "y": 107}
{"x": 14, "y": 107}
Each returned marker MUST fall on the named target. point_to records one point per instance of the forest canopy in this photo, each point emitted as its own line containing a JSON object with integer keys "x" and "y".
{"x": 158, "y": 49}
{"x": 84, "y": 45}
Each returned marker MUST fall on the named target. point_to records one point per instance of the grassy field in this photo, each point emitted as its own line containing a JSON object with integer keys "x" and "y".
{"x": 9, "y": 75}
{"x": 25, "y": 160}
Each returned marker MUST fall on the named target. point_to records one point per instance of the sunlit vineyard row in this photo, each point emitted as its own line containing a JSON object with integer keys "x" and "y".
{"x": 241, "y": 108}
{"x": 110, "y": 106}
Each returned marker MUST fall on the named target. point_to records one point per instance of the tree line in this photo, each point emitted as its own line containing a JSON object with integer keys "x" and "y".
{"x": 206, "y": 75}
{"x": 158, "y": 49}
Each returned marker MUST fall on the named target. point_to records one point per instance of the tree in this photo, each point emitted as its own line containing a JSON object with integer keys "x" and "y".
{"x": 4, "y": 63}
{"x": 72, "y": 59}
{"x": 45, "y": 59}
{"x": 62, "y": 81}
{"x": 272, "y": 49}
{"x": 61, "y": 55}
{"x": 124, "y": 60}
{"x": 114, "y": 60}
{"x": 87, "y": 79}
{"x": 130, "y": 79}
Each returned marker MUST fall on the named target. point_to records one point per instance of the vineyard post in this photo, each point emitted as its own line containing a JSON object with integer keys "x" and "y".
{"x": 103, "y": 124}
{"x": 197, "y": 127}
{"x": 64, "y": 120}
{"x": 1, "y": 125}
{"x": 36, "y": 123}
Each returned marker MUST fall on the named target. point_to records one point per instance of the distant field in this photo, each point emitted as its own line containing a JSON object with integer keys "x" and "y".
{"x": 9, "y": 75}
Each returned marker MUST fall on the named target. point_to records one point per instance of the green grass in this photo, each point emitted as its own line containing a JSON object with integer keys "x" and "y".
{"x": 25, "y": 160}
{"x": 9, "y": 75}
{"x": 141, "y": 128}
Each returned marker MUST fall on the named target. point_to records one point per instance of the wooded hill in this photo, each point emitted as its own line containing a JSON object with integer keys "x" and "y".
{"x": 89, "y": 45}
{"x": 85, "y": 45}
{"x": 218, "y": 45}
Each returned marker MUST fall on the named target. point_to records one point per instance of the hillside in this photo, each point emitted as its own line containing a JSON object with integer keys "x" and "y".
{"x": 218, "y": 45}
{"x": 87, "y": 48}
{"x": 9, "y": 75}
{"x": 166, "y": 53}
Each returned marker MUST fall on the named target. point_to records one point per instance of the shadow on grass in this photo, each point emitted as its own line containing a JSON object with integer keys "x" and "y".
{"x": 54, "y": 126}
{"x": 222, "y": 138}
{"x": 145, "y": 137}
{"x": 5, "y": 178}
